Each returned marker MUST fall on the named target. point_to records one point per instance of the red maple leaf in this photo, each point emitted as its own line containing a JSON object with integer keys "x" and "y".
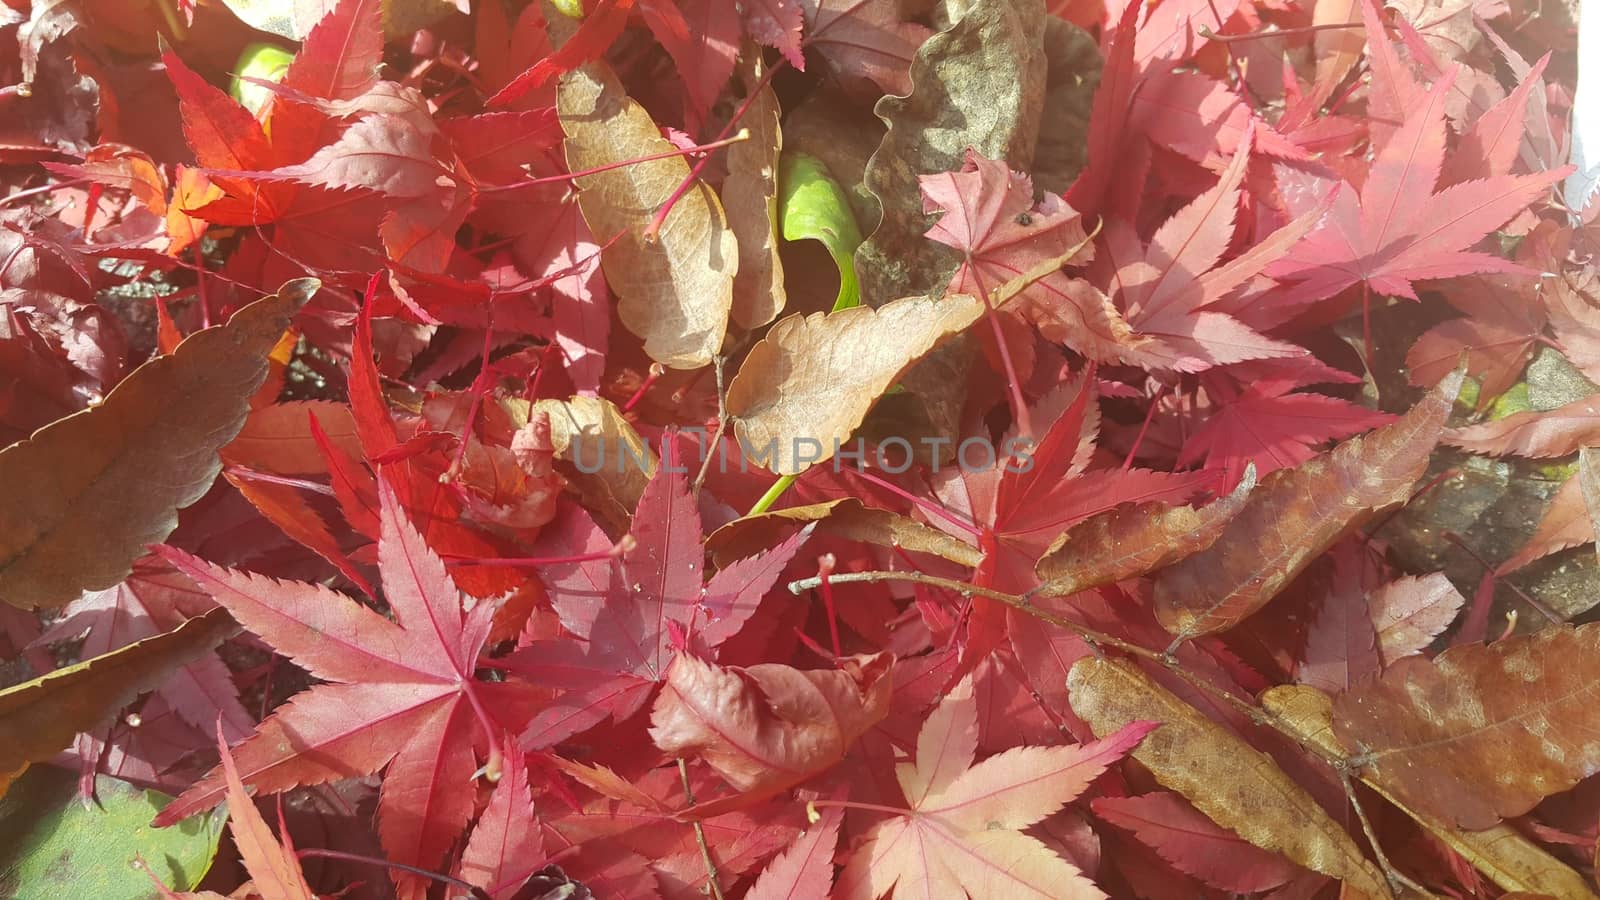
{"x": 402, "y": 696}
{"x": 1400, "y": 231}
{"x": 637, "y": 615}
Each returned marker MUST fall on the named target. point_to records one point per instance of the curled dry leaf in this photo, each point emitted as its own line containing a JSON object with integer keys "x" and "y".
{"x": 613, "y": 463}
{"x": 808, "y": 384}
{"x": 790, "y": 724}
{"x": 1130, "y": 541}
{"x": 750, "y": 195}
{"x": 979, "y": 85}
{"x": 676, "y": 290}
{"x": 1481, "y": 732}
{"x": 1297, "y": 514}
{"x": 1234, "y": 784}
{"x": 846, "y": 518}
{"x": 1541, "y": 435}
{"x": 39, "y": 717}
{"x": 86, "y": 494}
{"x": 1511, "y": 860}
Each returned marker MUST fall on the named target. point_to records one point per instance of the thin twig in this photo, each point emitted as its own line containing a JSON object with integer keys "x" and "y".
{"x": 700, "y": 834}
{"x": 717, "y": 364}
{"x": 1396, "y": 878}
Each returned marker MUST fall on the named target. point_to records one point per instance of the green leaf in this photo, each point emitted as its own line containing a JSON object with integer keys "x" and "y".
{"x": 812, "y": 206}
{"x": 52, "y": 845}
{"x": 267, "y": 62}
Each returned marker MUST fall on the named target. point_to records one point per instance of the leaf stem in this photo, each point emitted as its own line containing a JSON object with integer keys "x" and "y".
{"x": 920, "y": 503}
{"x": 868, "y": 807}
{"x": 700, "y": 834}
{"x": 318, "y": 852}
{"x": 694, "y": 174}
{"x": 718, "y": 365}
{"x": 622, "y": 164}
{"x": 1395, "y": 877}
{"x": 1096, "y": 640}
{"x": 1206, "y": 32}
{"x": 249, "y": 474}
{"x": 772, "y": 494}
{"x": 1492, "y": 572}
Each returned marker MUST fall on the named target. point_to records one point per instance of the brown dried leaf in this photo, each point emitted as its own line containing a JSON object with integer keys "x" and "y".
{"x": 846, "y": 518}
{"x": 750, "y": 194}
{"x": 39, "y": 717}
{"x": 980, "y": 85}
{"x": 1589, "y": 483}
{"x": 613, "y": 463}
{"x": 1481, "y": 732}
{"x": 1509, "y": 860}
{"x": 675, "y": 291}
{"x": 85, "y": 495}
{"x": 1237, "y": 786}
{"x": 790, "y": 724}
{"x": 1130, "y": 541}
{"x": 808, "y": 384}
{"x": 1297, "y": 514}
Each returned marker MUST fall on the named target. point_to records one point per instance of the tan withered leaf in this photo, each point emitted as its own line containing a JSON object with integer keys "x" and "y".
{"x": 1589, "y": 482}
{"x": 613, "y": 464}
{"x": 750, "y": 195}
{"x": 981, "y": 85}
{"x": 1237, "y": 786}
{"x": 675, "y": 291}
{"x": 40, "y": 717}
{"x": 1133, "y": 540}
{"x": 846, "y": 518}
{"x": 1481, "y": 732}
{"x": 1295, "y": 515}
{"x": 807, "y": 385}
{"x": 86, "y": 494}
{"x": 1510, "y": 860}
{"x": 768, "y": 727}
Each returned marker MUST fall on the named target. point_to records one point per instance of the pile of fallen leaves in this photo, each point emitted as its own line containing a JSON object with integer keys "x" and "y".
{"x": 794, "y": 449}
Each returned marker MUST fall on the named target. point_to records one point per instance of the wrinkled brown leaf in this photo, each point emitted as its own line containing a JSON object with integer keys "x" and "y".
{"x": 1295, "y": 515}
{"x": 1134, "y": 540}
{"x": 675, "y": 292}
{"x": 39, "y": 717}
{"x": 86, "y": 494}
{"x": 1510, "y": 860}
{"x": 750, "y": 195}
{"x": 979, "y": 84}
{"x": 1234, "y": 784}
{"x": 1482, "y": 732}
{"x": 790, "y": 724}
{"x": 808, "y": 384}
{"x": 846, "y": 518}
